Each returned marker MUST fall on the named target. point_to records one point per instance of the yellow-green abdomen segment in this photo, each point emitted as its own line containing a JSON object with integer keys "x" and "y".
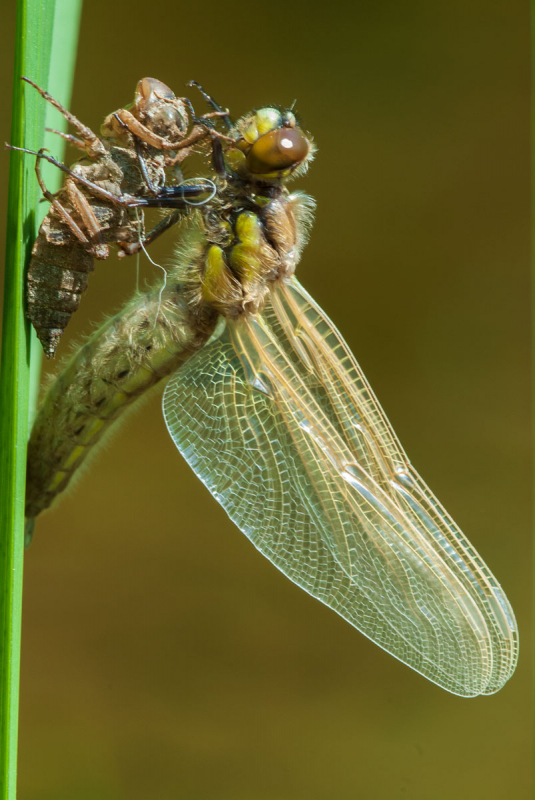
{"x": 134, "y": 350}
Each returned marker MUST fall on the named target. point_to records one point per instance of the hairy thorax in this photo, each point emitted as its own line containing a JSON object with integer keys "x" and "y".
{"x": 251, "y": 242}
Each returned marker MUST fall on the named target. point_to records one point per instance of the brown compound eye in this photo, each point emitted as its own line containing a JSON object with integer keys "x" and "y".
{"x": 277, "y": 150}
{"x": 149, "y": 90}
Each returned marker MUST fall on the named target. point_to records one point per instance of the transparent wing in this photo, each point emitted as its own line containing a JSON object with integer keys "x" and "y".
{"x": 278, "y": 421}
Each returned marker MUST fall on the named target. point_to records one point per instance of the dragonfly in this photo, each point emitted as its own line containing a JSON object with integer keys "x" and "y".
{"x": 268, "y": 406}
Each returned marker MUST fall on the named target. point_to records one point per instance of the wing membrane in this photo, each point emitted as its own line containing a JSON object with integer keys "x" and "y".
{"x": 278, "y": 421}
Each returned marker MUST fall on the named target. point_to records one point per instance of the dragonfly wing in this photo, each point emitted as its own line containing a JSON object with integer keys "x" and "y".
{"x": 278, "y": 421}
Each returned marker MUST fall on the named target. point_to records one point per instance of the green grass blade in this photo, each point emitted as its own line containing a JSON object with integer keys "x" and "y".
{"x": 33, "y": 55}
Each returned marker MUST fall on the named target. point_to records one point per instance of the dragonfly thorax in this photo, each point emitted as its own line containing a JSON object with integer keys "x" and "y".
{"x": 250, "y": 248}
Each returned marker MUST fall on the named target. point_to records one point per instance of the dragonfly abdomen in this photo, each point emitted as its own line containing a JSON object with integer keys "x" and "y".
{"x": 130, "y": 354}
{"x": 57, "y": 278}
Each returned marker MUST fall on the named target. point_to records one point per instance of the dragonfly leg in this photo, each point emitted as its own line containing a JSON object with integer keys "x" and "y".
{"x": 198, "y": 133}
{"x": 218, "y": 159}
{"x": 174, "y": 197}
{"x": 124, "y": 201}
{"x": 93, "y": 145}
{"x": 153, "y": 189}
{"x": 130, "y": 249}
{"x": 59, "y": 208}
{"x": 136, "y": 128}
{"x": 80, "y": 202}
{"x": 211, "y": 102}
{"x": 93, "y": 241}
{"x": 74, "y": 140}
{"x": 218, "y": 162}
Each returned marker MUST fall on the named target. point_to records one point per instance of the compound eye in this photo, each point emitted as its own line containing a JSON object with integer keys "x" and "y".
{"x": 277, "y": 150}
{"x": 149, "y": 90}
{"x": 162, "y": 119}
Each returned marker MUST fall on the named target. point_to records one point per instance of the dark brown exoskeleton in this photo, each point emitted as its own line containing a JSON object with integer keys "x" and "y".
{"x": 98, "y": 205}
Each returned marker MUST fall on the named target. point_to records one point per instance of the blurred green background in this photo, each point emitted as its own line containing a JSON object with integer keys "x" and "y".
{"x": 163, "y": 657}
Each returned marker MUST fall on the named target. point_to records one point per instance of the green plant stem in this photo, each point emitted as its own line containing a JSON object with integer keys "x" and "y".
{"x": 33, "y": 49}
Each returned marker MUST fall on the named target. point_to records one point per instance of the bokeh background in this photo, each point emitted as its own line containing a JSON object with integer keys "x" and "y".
{"x": 163, "y": 657}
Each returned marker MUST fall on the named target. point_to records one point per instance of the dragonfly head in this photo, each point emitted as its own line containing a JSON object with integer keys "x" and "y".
{"x": 270, "y": 146}
{"x": 156, "y": 106}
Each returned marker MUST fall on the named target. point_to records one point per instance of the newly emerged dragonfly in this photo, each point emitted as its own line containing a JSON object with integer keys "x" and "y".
{"x": 270, "y": 409}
